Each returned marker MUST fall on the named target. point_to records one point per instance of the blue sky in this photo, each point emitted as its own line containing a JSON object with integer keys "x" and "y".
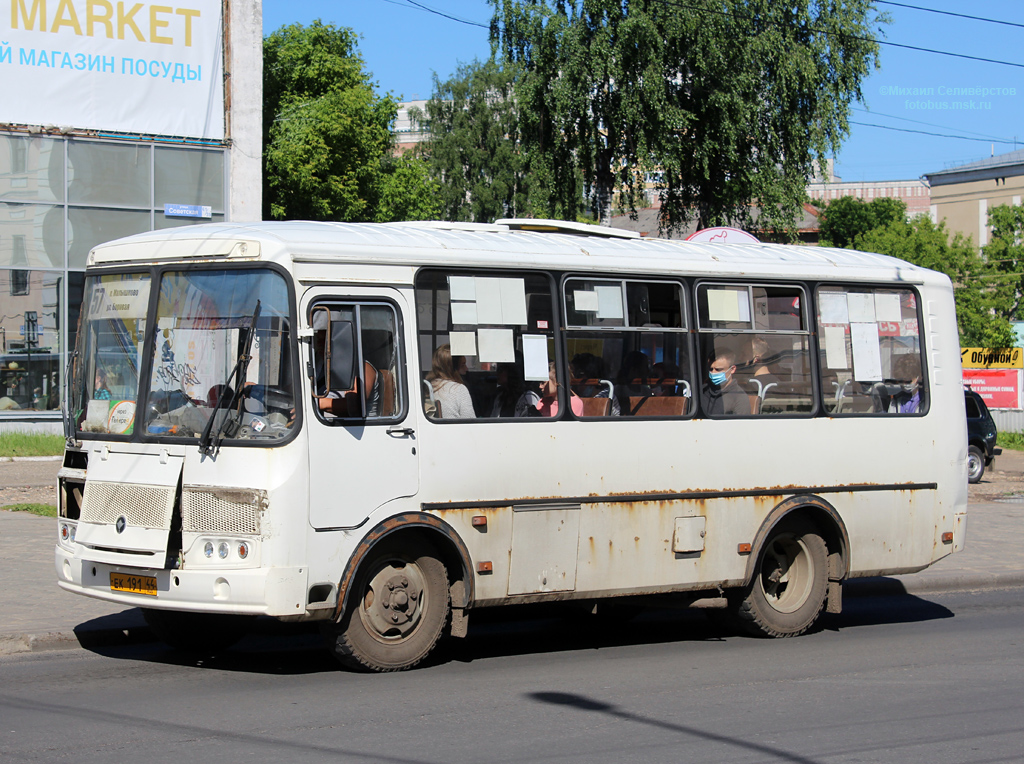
{"x": 404, "y": 45}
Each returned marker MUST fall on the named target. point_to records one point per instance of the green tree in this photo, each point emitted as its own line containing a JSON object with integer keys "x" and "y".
{"x": 724, "y": 102}
{"x": 406, "y": 191}
{"x": 1005, "y": 253}
{"x": 980, "y": 315}
{"x": 327, "y": 137}
{"x": 846, "y": 218}
{"x": 473, "y": 149}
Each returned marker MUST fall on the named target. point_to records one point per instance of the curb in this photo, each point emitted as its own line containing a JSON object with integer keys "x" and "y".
{"x": 881, "y": 586}
{"x": 93, "y": 639}
{"x": 889, "y": 586}
{"x": 30, "y": 458}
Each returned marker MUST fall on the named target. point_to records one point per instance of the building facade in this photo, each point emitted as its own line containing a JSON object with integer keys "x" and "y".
{"x": 914, "y": 193}
{"x": 962, "y": 196}
{"x": 110, "y": 125}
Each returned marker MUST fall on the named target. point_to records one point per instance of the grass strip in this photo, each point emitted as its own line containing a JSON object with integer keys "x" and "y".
{"x": 43, "y": 510}
{"x": 30, "y": 444}
{"x": 1011, "y": 440}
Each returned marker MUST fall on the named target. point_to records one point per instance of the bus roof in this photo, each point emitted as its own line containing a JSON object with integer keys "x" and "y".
{"x": 506, "y": 245}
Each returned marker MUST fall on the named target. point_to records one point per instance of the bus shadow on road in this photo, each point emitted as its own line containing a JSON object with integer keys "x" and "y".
{"x": 502, "y": 633}
{"x": 881, "y": 601}
{"x": 270, "y": 647}
{"x": 290, "y": 649}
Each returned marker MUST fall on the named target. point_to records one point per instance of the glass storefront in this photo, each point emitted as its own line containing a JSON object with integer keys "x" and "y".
{"x": 59, "y": 197}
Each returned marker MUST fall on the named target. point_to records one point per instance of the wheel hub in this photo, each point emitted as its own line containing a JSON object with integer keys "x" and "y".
{"x": 393, "y": 602}
{"x": 786, "y": 574}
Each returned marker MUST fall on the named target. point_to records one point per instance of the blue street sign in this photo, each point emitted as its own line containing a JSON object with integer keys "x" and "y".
{"x": 187, "y": 211}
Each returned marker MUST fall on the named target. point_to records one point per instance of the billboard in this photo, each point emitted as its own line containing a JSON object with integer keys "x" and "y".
{"x": 126, "y": 67}
{"x": 1000, "y": 388}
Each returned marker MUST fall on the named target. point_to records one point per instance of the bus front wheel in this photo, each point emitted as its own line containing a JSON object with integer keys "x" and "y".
{"x": 790, "y": 581}
{"x": 397, "y": 611}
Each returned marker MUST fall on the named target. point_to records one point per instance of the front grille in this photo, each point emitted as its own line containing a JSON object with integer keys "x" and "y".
{"x": 143, "y": 506}
{"x": 222, "y": 510}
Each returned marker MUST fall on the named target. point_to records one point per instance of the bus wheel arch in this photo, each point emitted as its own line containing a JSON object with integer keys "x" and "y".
{"x": 406, "y": 583}
{"x": 799, "y": 559}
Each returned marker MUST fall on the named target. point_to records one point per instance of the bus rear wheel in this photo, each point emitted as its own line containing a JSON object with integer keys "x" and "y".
{"x": 789, "y": 586}
{"x": 397, "y": 610}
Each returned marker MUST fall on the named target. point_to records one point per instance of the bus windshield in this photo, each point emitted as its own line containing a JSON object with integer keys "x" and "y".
{"x": 204, "y": 322}
{"x": 113, "y": 330}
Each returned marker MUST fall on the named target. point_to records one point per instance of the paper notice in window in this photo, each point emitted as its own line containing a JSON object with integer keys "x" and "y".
{"x": 724, "y": 305}
{"x": 513, "y": 302}
{"x": 835, "y": 348}
{"x": 887, "y": 307}
{"x": 833, "y": 308}
{"x": 609, "y": 302}
{"x": 867, "y": 357}
{"x": 535, "y": 357}
{"x": 461, "y": 288}
{"x": 743, "y": 306}
{"x": 464, "y": 313}
{"x": 463, "y": 343}
{"x": 488, "y": 301}
{"x": 862, "y": 308}
{"x": 585, "y": 302}
{"x": 496, "y": 346}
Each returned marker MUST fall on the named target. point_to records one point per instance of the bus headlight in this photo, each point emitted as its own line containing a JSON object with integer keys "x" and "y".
{"x": 208, "y": 549}
{"x": 222, "y": 550}
{"x": 243, "y": 550}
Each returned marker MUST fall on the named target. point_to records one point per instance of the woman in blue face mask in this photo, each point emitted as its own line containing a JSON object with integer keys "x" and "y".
{"x": 723, "y": 395}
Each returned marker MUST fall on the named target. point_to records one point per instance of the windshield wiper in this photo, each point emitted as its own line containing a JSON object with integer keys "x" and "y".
{"x": 209, "y": 441}
{"x": 65, "y": 406}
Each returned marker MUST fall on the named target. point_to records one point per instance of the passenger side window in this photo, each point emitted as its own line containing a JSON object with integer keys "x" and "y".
{"x": 628, "y": 347}
{"x": 754, "y": 350}
{"x": 365, "y": 335}
{"x": 486, "y": 346}
{"x": 870, "y": 350}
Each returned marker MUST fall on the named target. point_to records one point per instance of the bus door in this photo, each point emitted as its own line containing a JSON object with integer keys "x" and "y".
{"x": 362, "y": 439}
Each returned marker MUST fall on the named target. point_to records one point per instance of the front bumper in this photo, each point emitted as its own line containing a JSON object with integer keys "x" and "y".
{"x": 256, "y": 591}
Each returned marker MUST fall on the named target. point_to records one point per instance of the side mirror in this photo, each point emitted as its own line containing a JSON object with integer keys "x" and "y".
{"x": 334, "y": 349}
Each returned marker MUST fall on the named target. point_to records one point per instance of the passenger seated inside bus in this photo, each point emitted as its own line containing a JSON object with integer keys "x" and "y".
{"x": 633, "y": 380}
{"x": 722, "y": 394}
{"x": 902, "y": 394}
{"x": 666, "y": 376}
{"x": 548, "y": 405}
{"x": 450, "y": 392}
{"x": 589, "y": 384}
{"x": 344, "y": 403}
{"x": 513, "y": 399}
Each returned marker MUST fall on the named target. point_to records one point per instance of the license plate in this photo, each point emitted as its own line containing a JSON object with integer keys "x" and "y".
{"x": 121, "y": 582}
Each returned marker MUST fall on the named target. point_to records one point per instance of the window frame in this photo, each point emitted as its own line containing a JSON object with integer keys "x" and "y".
{"x": 561, "y": 366}
{"x": 686, "y": 316}
{"x": 805, "y": 289}
{"x": 874, "y": 287}
{"x": 403, "y": 403}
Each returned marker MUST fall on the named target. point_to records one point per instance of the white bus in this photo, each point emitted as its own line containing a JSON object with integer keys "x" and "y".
{"x": 384, "y": 427}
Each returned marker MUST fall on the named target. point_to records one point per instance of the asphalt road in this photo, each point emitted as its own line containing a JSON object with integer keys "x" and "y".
{"x": 898, "y": 679}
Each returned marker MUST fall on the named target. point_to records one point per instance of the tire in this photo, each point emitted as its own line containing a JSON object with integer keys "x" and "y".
{"x": 790, "y": 581}
{"x": 975, "y": 464}
{"x": 397, "y": 610}
{"x": 199, "y": 634}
